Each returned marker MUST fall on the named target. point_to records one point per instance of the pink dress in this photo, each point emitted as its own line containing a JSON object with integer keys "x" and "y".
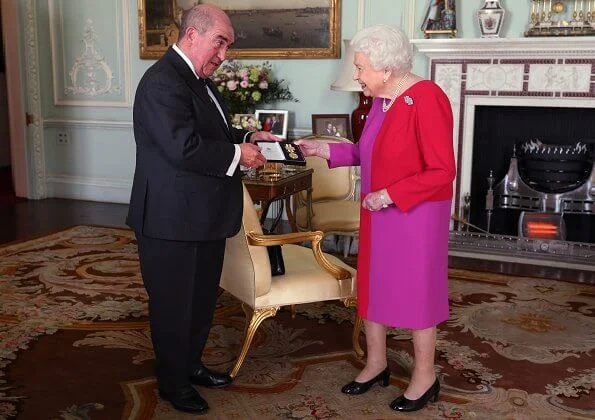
{"x": 407, "y": 261}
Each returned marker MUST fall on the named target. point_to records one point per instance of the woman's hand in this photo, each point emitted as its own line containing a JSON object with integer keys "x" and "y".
{"x": 314, "y": 148}
{"x": 377, "y": 200}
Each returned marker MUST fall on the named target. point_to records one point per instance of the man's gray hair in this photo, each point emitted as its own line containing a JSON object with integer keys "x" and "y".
{"x": 199, "y": 17}
{"x": 387, "y": 47}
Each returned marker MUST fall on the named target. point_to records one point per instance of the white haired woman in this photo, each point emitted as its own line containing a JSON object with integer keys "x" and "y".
{"x": 407, "y": 164}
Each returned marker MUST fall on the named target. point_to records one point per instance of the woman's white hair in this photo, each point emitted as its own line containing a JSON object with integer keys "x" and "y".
{"x": 387, "y": 47}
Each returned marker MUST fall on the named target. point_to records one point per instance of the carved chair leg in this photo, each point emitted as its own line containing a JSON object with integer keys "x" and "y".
{"x": 357, "y": 327}
{"x": 248, "y": 312}
{"x": 257, "y": 316}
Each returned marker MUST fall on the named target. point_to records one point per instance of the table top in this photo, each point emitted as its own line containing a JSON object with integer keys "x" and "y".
{"x": 273, "y": 178}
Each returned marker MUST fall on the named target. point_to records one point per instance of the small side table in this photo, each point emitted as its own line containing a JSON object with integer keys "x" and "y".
{"x": 267, "y": 187}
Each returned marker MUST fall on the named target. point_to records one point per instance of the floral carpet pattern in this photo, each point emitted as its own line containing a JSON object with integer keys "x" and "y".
{"x": 75, "y": 344}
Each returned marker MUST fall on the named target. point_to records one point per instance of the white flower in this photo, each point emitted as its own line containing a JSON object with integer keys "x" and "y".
{"x": 232, "y": 85}
{"x": 263, "y": 85}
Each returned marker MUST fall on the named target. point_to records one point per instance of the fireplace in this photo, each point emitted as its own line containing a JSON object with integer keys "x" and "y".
{"x": 495, "y": 86}
{"x": 497, "y": 131}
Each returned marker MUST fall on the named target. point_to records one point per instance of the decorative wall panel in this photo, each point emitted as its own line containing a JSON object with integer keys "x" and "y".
{"x": 90, "y": 52}
{"x": 560, "y": 77}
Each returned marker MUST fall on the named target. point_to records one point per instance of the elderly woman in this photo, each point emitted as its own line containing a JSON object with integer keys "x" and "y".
{"x": 407, "y": 164}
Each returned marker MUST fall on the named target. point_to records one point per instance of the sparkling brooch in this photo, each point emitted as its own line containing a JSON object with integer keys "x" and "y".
{"x": 408, "y": 100}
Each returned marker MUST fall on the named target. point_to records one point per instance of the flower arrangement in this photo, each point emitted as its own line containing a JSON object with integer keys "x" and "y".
{"x": 244, "y": 86}
{"x": 246, "y": 121}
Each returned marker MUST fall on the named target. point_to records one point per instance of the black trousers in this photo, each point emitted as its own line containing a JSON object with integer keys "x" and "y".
{"x": 182, "y": 280}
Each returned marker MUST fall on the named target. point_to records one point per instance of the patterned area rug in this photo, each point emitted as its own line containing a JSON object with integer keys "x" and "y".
{"x": 75, "y": 344}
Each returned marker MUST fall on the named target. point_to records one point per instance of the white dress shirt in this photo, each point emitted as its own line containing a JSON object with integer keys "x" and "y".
{"x": 238, "y": 151}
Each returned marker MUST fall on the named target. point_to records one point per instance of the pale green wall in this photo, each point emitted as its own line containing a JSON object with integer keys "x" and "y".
{"x": 98, "y": 162}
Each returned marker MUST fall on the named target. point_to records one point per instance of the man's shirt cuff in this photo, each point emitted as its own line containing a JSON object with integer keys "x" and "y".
{"x": 247, "y": 136}
{"x": 235, "y": 161}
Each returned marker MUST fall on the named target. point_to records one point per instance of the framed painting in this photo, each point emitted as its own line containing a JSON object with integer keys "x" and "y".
{"x": 335, "y": 125}
{"x": 263, "y": 28}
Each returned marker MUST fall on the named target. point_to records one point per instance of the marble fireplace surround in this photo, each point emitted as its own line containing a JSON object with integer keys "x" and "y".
{"x": 539, "y": 72}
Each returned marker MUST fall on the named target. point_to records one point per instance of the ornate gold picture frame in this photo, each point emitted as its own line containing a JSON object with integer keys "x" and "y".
{"x": 266, "y": 30}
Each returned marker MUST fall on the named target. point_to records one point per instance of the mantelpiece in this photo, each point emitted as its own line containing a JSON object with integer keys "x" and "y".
{"x": 471, "y": 47}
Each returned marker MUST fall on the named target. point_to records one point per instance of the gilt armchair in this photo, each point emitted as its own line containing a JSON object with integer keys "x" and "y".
{"x": 310, "y": 276}
{"x": 334, "y": 209}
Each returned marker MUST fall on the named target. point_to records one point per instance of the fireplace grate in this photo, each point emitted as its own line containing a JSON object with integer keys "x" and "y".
{"x": 548, "y": 249}
{"x": 514, "y": 193}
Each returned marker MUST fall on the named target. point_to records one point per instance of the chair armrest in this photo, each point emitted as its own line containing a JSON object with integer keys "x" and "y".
{"x": 259, "y": 239}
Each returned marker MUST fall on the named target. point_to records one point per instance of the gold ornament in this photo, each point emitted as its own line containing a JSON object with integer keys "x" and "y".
{"x": 558, "y": 7}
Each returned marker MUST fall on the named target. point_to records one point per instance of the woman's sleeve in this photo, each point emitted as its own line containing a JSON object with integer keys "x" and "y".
{"x": 434, "y": 131}
{"x": 343, "y": 154}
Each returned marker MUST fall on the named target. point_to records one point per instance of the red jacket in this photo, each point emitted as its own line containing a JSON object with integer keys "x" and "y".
{"x": 413, "y": 156}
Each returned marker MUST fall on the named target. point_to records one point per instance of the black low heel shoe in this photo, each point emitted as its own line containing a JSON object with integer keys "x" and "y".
{"x": 356, "y": 388}
{"x": 405, "y": 404}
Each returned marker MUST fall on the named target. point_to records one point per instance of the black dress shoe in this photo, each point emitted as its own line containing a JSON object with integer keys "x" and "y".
{"x": 356, "y": 388}
{"x": 185, "y": 399}
{"x": 404, "y": 404}
{"x": 204, "y": 376}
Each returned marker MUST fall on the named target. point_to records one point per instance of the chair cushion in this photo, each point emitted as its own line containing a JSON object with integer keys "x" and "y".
{"x": 305, "y": 281}
{"x": 331, "y": 216}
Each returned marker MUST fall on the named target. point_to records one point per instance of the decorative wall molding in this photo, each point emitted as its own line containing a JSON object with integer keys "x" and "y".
{"x": 81, "y": 79}
{"x": 299, "y": 132}
{"x": 87, "y": 124}
{"x": 112, "y": 190}
{"x": 361, "y": 13}
{"x": 411, "y": 23}
{"x": 128, "y": 125}
{"x": 552, "y": 72}
{"x": 89, "y": 63}
{"x": 33, "y": 94}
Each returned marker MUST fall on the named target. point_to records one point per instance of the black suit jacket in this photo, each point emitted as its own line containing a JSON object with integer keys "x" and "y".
{"x": 183, "y": 151}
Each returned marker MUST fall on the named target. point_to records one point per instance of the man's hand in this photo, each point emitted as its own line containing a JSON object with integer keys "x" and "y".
{"x": 264, "y": 135}
{"x": 377, "y": 200}
{"x": 314, "y": 148}
{"x": 251, "y": 156}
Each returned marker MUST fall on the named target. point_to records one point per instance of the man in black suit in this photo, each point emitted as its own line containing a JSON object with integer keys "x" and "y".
{"x": 187, "y": 199}
{"x": 276, "y": 125}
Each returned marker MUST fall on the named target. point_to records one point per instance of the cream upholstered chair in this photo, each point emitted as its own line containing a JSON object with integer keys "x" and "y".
{"x": 310, "y": 275}
{"x": 334, "y": 209}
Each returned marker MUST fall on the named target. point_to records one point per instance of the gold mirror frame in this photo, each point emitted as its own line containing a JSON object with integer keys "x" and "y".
{"x": 155, "y": 40}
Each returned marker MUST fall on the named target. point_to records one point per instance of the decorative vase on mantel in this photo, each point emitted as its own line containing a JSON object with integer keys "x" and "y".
{"x": 491, "y": 17}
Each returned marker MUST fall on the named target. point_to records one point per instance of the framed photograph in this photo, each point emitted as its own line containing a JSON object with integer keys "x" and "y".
{"x": 335, "y": 125}
{"x": 273, "y": 120}
{"x": 263, "y": 29}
